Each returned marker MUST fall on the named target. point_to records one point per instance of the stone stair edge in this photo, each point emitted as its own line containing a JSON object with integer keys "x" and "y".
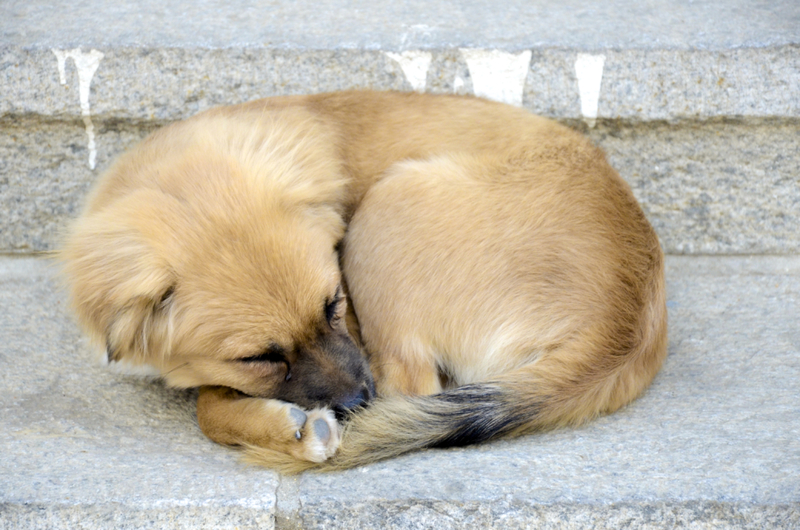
{"x": 414, "y": 513}
{"x": 712, "y": 24}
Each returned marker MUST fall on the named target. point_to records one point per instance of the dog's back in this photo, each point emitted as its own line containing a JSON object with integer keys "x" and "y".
{"x": 504, "y": 277}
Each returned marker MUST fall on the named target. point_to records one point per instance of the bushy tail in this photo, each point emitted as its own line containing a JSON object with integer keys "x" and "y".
{"x": 462, "y": 416}
{"x": 392, "y": 426}
{"x": 574, "y": 384}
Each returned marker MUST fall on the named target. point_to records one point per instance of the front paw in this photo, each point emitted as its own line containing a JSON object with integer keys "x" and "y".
{"x": 316, "y": 433}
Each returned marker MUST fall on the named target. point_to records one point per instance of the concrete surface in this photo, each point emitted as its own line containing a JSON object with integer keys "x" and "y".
{"x": 714, "y": 443}
{"x": 334, "y": 24}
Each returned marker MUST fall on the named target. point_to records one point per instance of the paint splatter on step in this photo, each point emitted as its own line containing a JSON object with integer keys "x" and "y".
{"x": 415, "y": 66}
{"x": 589, "y": 71}
{"x": 86, "y": 64}
{"x": 498, "y": 75}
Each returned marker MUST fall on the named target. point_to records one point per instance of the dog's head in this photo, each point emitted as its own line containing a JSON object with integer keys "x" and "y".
{"x": 219, "y": 266}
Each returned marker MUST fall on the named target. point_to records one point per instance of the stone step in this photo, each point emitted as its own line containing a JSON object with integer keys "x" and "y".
{"x": 713, "y": 443}
{"x": 696, "y": 103}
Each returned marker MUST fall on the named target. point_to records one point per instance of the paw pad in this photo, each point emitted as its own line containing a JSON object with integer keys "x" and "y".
{"x": 322, "y": 431}
{"x": 299, "y": 417}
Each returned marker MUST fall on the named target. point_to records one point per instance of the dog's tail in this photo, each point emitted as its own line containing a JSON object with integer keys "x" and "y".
{"x": 591, "y": 375}
{"x": 537, "y": 397}
{"x": 392, "y": 426}
{"x": 461, "y": 416}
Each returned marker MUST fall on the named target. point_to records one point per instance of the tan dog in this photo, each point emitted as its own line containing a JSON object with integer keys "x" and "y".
{"x": 503, "y": 277}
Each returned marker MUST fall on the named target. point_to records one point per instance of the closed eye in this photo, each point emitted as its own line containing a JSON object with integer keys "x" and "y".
{"x": 273, "y": 354}
{"x": 332, "y": 306}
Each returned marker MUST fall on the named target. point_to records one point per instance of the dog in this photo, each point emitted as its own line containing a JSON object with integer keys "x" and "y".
{"x": 351, "y": 276}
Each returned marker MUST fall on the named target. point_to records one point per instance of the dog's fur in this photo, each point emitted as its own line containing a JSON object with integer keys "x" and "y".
{"x": 502, "y": 276}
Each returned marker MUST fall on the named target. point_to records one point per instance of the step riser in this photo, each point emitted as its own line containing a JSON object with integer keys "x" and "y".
{"x": 641, "y": 85}
{"x": 707, "y": 187}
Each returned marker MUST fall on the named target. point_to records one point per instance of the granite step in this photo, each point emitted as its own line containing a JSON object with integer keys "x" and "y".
{"x": 697, "y": 105}
{"x": 713, "y": 443}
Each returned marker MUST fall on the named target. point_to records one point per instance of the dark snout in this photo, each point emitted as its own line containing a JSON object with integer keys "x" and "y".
{"x": 353, "y": 402}
{"x": 332, "y": 372}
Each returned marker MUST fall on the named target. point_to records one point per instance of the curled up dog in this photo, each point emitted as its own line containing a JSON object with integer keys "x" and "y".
{"x": 351, "y": 276}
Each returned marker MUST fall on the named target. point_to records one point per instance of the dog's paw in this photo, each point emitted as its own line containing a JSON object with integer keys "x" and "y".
{"x": 316, "y": 433}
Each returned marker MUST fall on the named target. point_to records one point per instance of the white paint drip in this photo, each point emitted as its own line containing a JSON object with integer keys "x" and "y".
{"x": 498, "y": 75}
{"x": 415, "y": 66}
{"x": 589, "y": 71}
{"x": 86, "y": 64}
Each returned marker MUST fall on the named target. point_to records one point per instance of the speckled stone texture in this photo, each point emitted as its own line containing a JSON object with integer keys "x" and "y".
{"x": 44, "y": 176}
{"x": 82, "y": 447}
{"x": 726, "y": 187}
{"x": 174, "y": 82}
{"x": 713, "y": 443}
{"x": 698, "y": 110}
{"x": 325, "y": 24}
{"x": 717, "y": 187}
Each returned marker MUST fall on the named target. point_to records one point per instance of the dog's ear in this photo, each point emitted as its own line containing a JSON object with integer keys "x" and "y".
{"x": 121, "y": 285}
